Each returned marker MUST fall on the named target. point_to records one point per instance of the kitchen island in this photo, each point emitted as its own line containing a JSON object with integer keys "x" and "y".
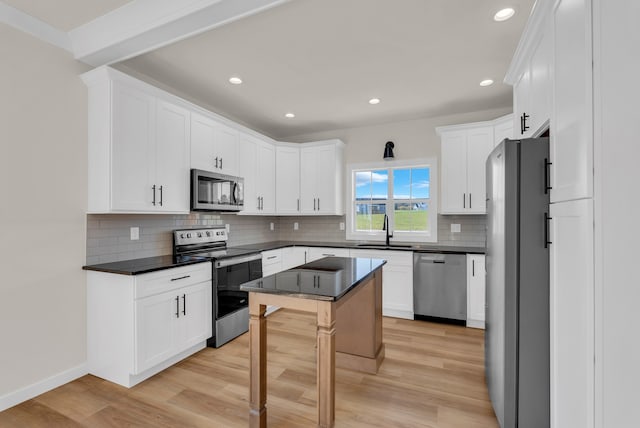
{"x": 346, "y": 295}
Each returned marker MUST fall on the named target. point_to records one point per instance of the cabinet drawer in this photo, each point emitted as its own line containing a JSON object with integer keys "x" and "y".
{"x": 271, "y": 257}
{"x": 170, "y": 279}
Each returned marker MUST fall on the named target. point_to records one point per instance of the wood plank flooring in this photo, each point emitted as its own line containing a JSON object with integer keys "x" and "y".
{"x": 432, "y": 377}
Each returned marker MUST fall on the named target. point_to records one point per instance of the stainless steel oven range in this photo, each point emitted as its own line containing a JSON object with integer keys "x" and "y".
{"x": 231, "y": 268}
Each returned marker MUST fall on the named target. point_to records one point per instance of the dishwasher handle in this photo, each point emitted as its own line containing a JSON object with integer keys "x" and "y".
{"x": 432, "y": 258}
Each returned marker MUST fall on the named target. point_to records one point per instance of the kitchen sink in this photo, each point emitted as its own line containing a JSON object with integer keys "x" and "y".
{"x": 384, "y": 246}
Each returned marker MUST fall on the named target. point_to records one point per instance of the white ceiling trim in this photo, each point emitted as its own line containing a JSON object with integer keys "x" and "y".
{"x": 28, "y": 24}
{"x": 144, "y": 25}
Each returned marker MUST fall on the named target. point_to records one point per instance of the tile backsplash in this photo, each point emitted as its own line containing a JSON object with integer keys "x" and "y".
{"x": 108, "y": 235}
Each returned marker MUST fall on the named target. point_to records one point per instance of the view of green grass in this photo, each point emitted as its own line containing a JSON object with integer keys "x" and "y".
{"x": 404, "y": 220}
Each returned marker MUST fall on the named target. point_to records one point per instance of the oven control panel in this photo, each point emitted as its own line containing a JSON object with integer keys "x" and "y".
{"x": 200, "y": 236}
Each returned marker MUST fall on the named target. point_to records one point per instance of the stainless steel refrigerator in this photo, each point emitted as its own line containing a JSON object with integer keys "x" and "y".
{"x": 517, "y": 293}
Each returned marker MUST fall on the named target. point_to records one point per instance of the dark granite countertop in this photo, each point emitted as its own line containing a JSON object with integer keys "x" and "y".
{"x": 329, "y": 278}
{"x": 146, "y": 265}
{"x": 420, "y": 248}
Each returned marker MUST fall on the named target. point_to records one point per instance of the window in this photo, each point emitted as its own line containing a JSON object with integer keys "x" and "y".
{"x": 404, "y": 191}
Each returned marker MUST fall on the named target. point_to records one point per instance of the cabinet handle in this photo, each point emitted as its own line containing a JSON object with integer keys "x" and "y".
{"x": 464, "y": 200}
{"x": 261, "y": 202}
{"x": 220, "y": 163}
{"x": 271, "y": 257}
{"x": 216, "y": 162}
{"x": 161, "y": 198}
{"x": 473, "y": 268}
{"x": 470, "y": 201}
{"x": 318, "y": 209}
{"x": 181, "y": 277}
{"x": 328, "y": 255}
{"x": 547, "y": 175}
{"x": 314, "y": 204}
{"x": 546, "y": 230}
{"x": 525, "y": 127}
{"x": 154, "y": 195}
{"x": 521, "y": 125}
{"x": 298, "y": 204}
{"x": 258, "y": 206}
{"x": 184, "y": 304}
{"x": 177, "y": 307}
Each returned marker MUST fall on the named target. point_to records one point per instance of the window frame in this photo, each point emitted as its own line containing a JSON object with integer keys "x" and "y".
{"x": 429, "y": 236}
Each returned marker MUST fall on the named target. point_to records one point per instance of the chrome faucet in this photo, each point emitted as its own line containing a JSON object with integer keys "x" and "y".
{"x": 385, "y": 226}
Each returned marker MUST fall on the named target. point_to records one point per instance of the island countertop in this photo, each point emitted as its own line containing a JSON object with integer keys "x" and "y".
{"x": 327, "y": 279}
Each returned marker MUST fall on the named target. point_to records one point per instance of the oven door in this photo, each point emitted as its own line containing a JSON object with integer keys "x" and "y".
{"x": 211, "y": 191}
{"x": 229, "y": 275}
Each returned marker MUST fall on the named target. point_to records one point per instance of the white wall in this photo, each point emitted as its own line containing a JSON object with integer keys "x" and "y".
{"x": 43, "y": 190}
{"x": 412, "y": 138}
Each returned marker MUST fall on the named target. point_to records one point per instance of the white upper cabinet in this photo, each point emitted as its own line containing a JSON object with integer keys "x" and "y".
{"x": 572, "y": 137}
{"x": 214, "y": 146}
{"x": 464, "y": 151}
{"x": 310, "y": 178}
{"x": 138, "y": 150}
{"x": 503, "y": 128}
{"x": 258, "y": 170}
{"x": 288, "y": 179}
{"x": 321, "y": 178}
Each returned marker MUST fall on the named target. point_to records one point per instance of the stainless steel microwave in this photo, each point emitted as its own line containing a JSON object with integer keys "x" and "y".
{"x": 211, "y": 191}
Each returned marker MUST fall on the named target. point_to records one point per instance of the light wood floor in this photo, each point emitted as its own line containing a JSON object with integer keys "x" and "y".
{"x": 432, "y": 376}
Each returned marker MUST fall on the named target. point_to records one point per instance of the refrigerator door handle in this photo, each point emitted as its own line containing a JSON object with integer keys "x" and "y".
{"x": 547, "y": 175}
{"x": 546, "y": 230}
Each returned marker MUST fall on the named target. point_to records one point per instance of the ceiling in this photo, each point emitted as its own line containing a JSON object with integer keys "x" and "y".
{"x": 324, "y": 59}
{"x": 65, "y": 15}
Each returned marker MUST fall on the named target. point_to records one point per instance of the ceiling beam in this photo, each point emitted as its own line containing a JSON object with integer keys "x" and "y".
{"x": 144, "y": 25}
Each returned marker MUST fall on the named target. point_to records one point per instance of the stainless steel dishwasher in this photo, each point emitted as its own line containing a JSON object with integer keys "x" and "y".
{"x": 440, "y": 286}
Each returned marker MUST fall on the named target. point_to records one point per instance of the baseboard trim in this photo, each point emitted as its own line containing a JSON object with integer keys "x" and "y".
{"x": 28, "y": 392}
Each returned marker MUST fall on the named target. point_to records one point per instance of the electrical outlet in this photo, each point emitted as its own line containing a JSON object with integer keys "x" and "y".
{"x": 342, "y": 225}
{"x": 135, "y": 233}
{"x": 272, "y": 226}
{"x": 295, "y": 226}
{"x": 455, "y": 228}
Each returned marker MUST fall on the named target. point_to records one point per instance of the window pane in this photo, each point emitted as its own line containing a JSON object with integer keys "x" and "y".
{"x": 363, "y": 185}
{"x": 420, "y": 183}
{"x": 410, "y": 216}
{"x": 402, "y": 183}
{"x": 379, "y": 184}
{"x": 369, "y": 216}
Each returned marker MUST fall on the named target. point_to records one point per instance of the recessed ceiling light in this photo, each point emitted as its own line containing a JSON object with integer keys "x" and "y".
{"x": 235, "y": 80}
{"x": 290, "y": 115}
{"x": 374, "y": 101}
{"x": 486, "y": 82}
{"x": 504, "y": 14}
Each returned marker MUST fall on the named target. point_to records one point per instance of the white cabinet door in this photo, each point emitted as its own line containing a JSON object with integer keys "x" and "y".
{"x": 133, "y": 168}
{"x": 248, "y": 170}
{"x": 572, "y": 139}
{"x": 195, "y": 322}
{"x": 540, "y": 95}
{"x": 271, "y": 262}
{"x": 454, "y": 172}
{"x": 479, "y": 145}
{"x": 172, "y": 157}
{"x": 475, "y": 290}
{"x": 293, "y": 256}
{"x": 266, "y": 178}
{"x": 226, "y": 149}
{"x": 397, "y": 281}
{"x": 571, "y": 309}
{"x": 309, "y": 180}
{"x": 202, "y": 142}
{"x": 154, "y": 329}
{"x": 287, "y": 180}
{"x": 521, "y": 103}
{"x": 325, "y": 178}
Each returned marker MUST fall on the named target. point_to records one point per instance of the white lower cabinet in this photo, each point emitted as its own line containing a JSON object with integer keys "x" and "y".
{"x": 316, "y": 253}
{"x": 397, "y": 281}
{"x": 138, "y": 325}
{"x": 475, "y": 290}
{"x": 271, "y": 262}
{"x": 572, "y": 313}
{"x": 293, "y": 257}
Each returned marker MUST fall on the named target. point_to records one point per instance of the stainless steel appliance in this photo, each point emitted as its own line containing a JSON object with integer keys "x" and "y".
{"x": 211, "y": 191}
{"x": 517, "y": 293}
{"x": 231, "y": 268}
{"x": 440, "y": 287}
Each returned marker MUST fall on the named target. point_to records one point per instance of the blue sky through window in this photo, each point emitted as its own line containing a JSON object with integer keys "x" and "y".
{"x": 410, "y": 183}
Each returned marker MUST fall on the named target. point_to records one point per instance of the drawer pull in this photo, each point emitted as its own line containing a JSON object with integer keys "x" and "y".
{"x": 177, "y": 307}
{"x": 181, "y": 277}
{"x": 272, "y": 257}
{"x": 184, "y": 304}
